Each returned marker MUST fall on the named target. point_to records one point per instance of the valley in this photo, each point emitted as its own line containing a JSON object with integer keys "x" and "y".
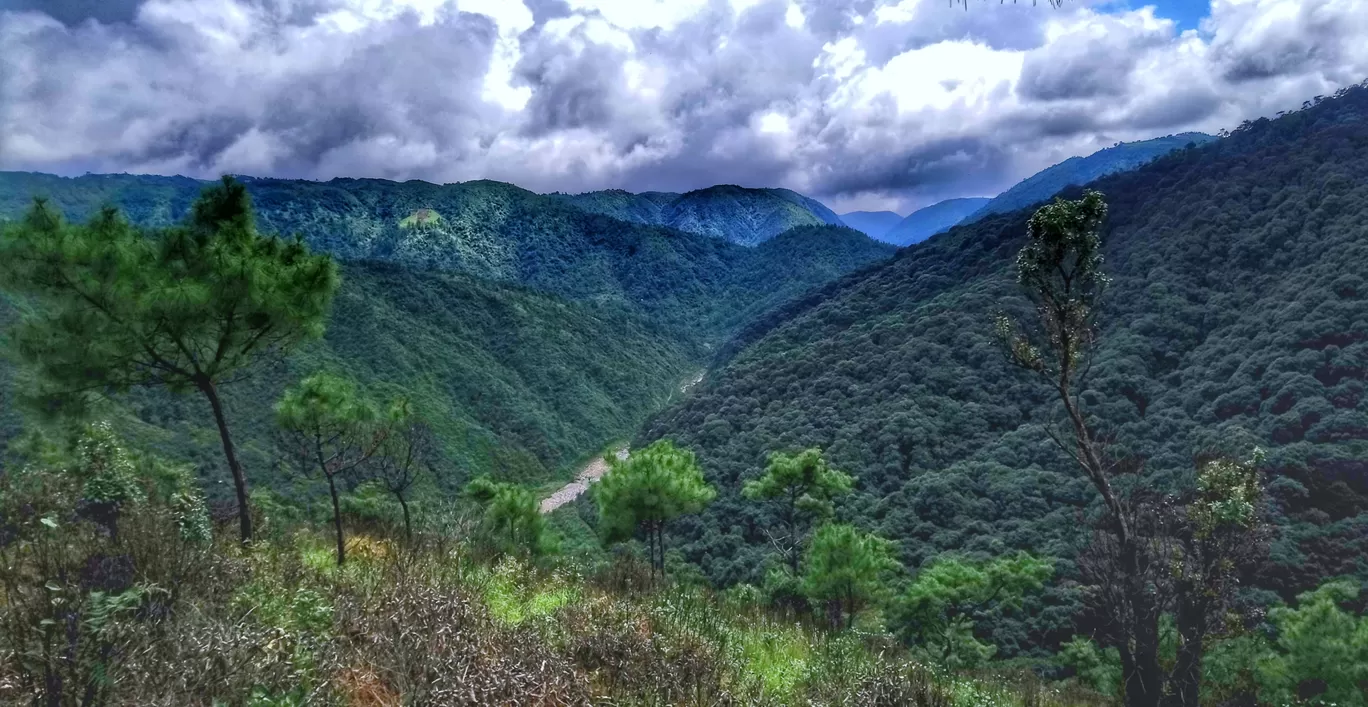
{"x": 827, "y": 441}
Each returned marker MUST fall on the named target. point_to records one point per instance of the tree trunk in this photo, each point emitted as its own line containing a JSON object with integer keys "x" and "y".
{"x": 408, "y": 526}
{"x": 207, "y": 387}
{"x": 337, "y": 522}
{"x": 1186, "y": 681}
{"x": 1144, "y": 682}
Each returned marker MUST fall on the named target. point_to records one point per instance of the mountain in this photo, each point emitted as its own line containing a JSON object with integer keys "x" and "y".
{"x": 872, "y": 223}
{"x": 533, "y": 331}
{"x": 1081, "y": 170}
{"x": 732, "y": 213}
{"x": 1236, "y": 317}
{"x": 491, "y": 230}
{"x": 936, "y": 218}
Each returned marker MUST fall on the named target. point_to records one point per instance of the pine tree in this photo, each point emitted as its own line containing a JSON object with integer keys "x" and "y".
{"x": 847, "y": 569}
{"x": 804, "y": 486}
{"x": 649, "y": 488}
{"x": 187, "y": 308}
{"x": 333, "y": 430}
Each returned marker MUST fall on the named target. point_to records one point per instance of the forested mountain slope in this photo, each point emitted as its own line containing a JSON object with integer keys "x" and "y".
{"x": 936, "y": 218}
{"x": 1238, "y": 316}
{"x": 1081, "y": 170}
{"x": 732, "y": 213}
{"x": 488, "y": 229}
{"x": 524, "y": 382}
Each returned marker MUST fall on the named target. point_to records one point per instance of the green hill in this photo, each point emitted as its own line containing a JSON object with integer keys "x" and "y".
{"x": 1076, "y": 171}
{"x": 936, "y": 218}
{"x": 1237, "y": 317}
{"x": 732, "y": 213}
{"x": 487, "y": 229}
{"x": 534, "y": 331}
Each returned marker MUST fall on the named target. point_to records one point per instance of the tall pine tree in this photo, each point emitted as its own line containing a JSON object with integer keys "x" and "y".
{"x": 187, "y": 308}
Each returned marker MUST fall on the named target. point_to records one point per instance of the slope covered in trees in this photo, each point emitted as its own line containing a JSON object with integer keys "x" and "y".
{"x": 1236, "y": 317}
{"x": 488, "y": 229}
{"x": 1077, "y": 171}
{"x": 522, "y": 382}
{"x": 732, "y": 213}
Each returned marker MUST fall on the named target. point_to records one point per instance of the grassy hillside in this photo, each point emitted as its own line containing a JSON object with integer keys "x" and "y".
{"x": 1077, "y": 171}
{"x": 1238, "y": 316}
{"x": 731, "y": 213}
{"x": 936, "y": 218}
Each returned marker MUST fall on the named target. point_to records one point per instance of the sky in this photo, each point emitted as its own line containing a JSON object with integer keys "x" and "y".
{"x": 863, "y": 104}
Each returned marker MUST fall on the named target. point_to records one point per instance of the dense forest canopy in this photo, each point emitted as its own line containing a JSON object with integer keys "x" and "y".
{"x": 1236, "y": 317}
{"x": 528, "y": 361}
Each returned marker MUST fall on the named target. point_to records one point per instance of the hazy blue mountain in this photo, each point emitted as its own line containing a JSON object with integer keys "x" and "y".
{"x": 1081, "y": 170}
{"x": 936, "y": 218}
{"x": 872, "y": 223}
{"x": 737, "y": 214}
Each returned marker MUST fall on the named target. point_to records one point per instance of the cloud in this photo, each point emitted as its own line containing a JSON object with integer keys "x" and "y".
{"x": 862, "y": 103}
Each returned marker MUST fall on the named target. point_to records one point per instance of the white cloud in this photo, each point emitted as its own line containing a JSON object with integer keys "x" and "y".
{"x": 861, "y": 102}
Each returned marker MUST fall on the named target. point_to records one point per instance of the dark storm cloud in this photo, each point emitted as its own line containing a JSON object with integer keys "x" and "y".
{"x": 1088, "y": 66}
{"x": 929, "y": 166}
{"x": 849, "y": 100}
{"x": 73, "y": 12}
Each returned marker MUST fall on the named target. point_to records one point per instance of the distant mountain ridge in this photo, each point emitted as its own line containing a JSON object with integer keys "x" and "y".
{"x": 872, "y": 223}
{"x": 737, "y": 214}
{"x": 936, "y": 218}
{"x": 1078, "y": 171}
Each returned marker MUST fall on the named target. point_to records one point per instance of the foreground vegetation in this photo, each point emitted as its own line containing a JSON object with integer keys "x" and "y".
{"x": 116, "y": 593}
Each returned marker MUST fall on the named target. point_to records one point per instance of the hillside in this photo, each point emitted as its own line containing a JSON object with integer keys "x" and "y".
{"x": 491, "y": 230}
{"x": 1077, "y": 171}
{"x": 736, "y": 214}
{"x": 871, "y": 223}
{"x": 510, "y": 353}
{"x": 1236, "y": 317}
{"x": 936, "y": 218}
{"x": 516, "y": 382}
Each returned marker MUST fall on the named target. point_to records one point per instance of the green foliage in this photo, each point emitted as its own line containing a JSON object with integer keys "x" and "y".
{"x": 649, "y": 488}
{"x": 1235, "y": 312}
{"x": 938, "y": 609}
{"x": 847, "y": 569}
{"x": 1098, "y": 668}
{"x": 184, "y": 308}
{"x": 526, "y": 330}
{"x": 804, "y": 486}
{"x": 1321, "y": 650}
{"x": 329, "y": 428}
{"x": 512, "y": 517}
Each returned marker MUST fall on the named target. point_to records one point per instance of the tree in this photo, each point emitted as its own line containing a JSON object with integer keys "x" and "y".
{"x": 939, "y": 606}
{"x": 512, "y": 514}
{"x": 188, "y": 308}
{"x": 1220, "y": 531}
{"x": 1322, "y": 650}
{"x": 804, "y": 486}
{"x": 326, "y": 423}
{"x": 646, "y": 490}
{"x": 846, "y": 568}
{"x": 404, "y": 454}
{"x": 1149, "y": 556}
{"x": 1060, "y": 270}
